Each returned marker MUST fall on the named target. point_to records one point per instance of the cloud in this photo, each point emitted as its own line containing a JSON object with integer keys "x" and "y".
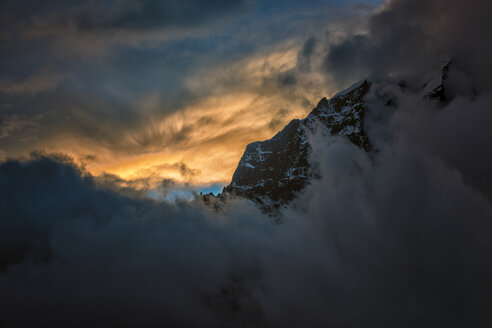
{"x": 279, "y": 120}
{"x": 404, "y": 38}
{"x": 15, "y": 124}
{"x": 395, "y": 238}
{"x": 399, "y": 237}
{"x": 42, "y": 81}
{"x": 405, "y": 229}
{"x": 458, "y": 135}
{"x": 110, "y": 16}
{"x": 148, "y": 14}
{"x": 43, "y": 235}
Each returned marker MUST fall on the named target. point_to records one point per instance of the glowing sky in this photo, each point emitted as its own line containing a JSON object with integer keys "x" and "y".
{"x": 158, "y": 89}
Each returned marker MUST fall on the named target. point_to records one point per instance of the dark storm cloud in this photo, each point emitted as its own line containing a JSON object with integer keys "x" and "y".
{"x": 406, "y": 37}
{"x": 307, "y": 50}
{"x": 127, "y": 15}
{"x": 63, "y": 39}
{"x": 410, "y": 237}
{"x": 459, "y": 135}
{"x": 148, "y": 14}
{"x": 71, "y": 218}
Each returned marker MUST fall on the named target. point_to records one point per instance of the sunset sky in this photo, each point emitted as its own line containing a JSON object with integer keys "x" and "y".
{"x": 149, "y": 90}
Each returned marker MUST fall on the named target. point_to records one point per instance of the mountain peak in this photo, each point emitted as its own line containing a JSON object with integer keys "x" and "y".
{"x": 272, "y": 172}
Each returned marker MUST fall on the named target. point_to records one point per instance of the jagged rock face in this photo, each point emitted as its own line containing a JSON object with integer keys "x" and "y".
{"x": 343, "y": 114}
{"x": 271, "y": 172}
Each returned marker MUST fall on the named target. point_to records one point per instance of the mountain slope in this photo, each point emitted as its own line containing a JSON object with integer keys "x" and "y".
{"x": 271, "y": 172}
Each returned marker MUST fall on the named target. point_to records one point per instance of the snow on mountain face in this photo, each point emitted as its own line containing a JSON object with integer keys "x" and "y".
{"x": 271, "y": 172}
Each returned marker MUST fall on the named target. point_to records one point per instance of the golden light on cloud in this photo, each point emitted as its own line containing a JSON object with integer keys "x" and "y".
{"x": 202, "y": 143}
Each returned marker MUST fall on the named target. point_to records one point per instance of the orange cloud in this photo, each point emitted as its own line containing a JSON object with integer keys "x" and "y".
{"x": 203, "y": 142}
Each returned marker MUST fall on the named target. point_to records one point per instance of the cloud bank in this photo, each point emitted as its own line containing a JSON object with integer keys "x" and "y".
{"x": 403, "y": 38}
{"x": 396, "y": 238}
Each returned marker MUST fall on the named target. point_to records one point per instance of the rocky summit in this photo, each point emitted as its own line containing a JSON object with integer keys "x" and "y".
{"x": 273, "y": 171}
